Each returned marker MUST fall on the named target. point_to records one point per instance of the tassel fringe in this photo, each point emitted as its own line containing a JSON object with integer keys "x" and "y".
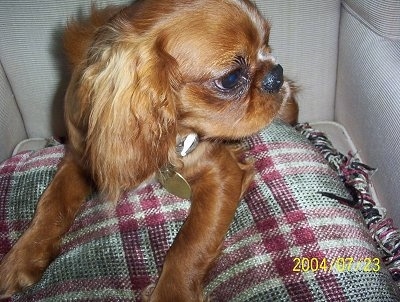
{"x": 356, "y": 177}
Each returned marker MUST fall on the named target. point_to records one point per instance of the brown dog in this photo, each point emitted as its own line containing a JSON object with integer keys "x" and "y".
{"x": 159, "y": 85}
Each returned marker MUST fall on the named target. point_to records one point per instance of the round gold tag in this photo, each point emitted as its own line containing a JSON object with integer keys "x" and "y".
{"x": 175, "y": 183}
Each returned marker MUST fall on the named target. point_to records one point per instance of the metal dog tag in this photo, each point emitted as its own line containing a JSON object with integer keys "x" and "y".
{"x": 171, "y": 180}
{"x": 175, "y": 183}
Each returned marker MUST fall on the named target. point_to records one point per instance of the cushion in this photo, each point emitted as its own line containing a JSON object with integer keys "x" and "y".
{"x": 368, "y": 93}
{"x": 289, "y": 241}
{"x": 381, "y": 17}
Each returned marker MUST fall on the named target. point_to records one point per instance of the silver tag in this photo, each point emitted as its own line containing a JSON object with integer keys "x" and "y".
{"x": 174, "y": 183}
{"x": 187, "y": 144}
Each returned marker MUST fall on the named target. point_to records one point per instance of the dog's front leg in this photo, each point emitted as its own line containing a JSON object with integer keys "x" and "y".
{"x": 218, "y": 180}
{"x": 39, "y": 245}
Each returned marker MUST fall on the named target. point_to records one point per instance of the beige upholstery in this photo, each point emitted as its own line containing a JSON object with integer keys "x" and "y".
{"x": 12, "y": 129}
{"x": 31, "y": 55}
{"x": 307, "y": 50}
{"x": 345, "y": 59}
{"x": 368, "y": 90}
{"x": 382, "y": 17}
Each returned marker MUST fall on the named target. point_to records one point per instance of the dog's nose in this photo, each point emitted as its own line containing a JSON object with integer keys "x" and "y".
{"x": 273, "y": 81}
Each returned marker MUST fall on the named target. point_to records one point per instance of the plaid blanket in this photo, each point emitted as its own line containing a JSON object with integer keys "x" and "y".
{"x": 288, "y": 241}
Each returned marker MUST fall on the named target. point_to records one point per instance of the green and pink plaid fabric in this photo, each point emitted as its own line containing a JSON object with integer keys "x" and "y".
{"x": 288, "y": 241}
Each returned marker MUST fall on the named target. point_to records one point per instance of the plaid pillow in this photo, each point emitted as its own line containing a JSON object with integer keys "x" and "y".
{"x": 288, "y": 241}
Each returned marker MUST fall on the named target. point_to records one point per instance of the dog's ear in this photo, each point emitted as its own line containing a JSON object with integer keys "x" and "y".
{"x": 126, "y": 95}
{"x": 80, "y": 33}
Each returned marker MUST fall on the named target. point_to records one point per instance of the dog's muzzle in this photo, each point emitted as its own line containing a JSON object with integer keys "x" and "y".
{"x": 273, "y": 81}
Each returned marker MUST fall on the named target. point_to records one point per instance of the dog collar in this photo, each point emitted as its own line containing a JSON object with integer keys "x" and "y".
{"x": 172, "y": 180}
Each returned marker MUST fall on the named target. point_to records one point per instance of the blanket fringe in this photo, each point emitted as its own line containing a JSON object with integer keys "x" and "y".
{"x": 356, "y": 177}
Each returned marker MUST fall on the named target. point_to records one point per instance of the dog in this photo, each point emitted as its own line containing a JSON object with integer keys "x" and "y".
{"x": 160, "y": 88}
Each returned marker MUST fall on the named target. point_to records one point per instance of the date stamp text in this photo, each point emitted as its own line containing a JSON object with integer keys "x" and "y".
{"x": 339, "y": 264}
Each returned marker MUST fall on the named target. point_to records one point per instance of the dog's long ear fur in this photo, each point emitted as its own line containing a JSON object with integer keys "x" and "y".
{"x": 120, "y": 104}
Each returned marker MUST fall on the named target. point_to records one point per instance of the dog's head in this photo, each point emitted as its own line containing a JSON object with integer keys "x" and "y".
{"x": 145, "y": 74}
{"x": 230, "y": 85}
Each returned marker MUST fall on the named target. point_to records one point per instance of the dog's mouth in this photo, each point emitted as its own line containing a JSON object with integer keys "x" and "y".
{"x": 285, "y": 91}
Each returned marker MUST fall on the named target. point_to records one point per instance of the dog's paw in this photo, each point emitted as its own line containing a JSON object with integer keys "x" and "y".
{"x": 22, "y": 267}
{"x": 16, "y": 273}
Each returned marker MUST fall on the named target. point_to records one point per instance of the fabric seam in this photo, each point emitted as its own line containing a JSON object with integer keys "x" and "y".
{"x": 13, "y": 95}
{"x": 373, "y": 28}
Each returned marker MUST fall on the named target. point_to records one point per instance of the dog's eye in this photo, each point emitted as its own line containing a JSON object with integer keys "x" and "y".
{"x": 231, "y": 80}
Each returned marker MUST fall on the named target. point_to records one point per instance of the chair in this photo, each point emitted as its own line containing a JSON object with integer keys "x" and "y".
{"x": 344, "y": 55}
